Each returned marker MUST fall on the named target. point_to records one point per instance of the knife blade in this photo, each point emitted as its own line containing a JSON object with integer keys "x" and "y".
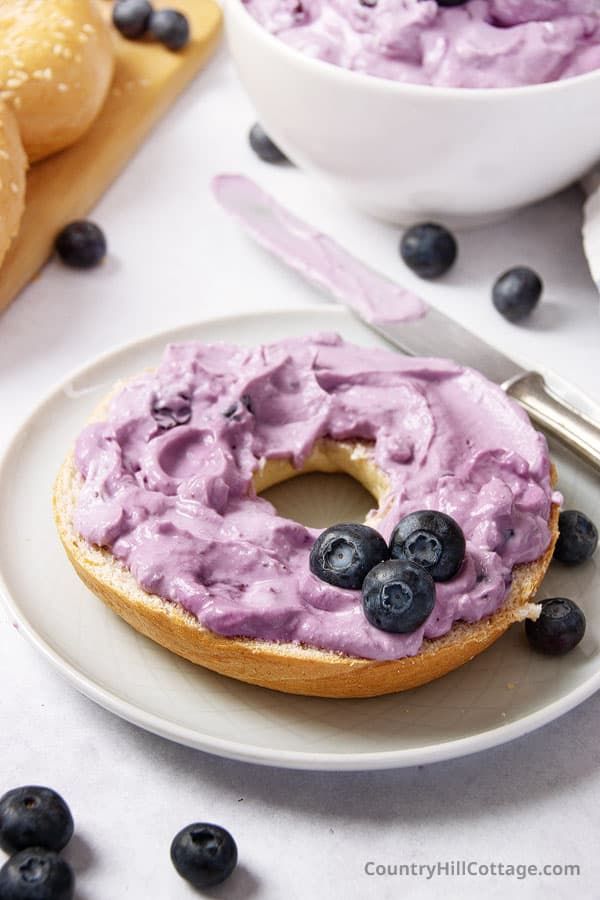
{"x": 396, "y": 314}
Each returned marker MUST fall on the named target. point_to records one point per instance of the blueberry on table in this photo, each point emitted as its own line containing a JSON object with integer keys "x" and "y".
{"x": 428, "y": 249}
{"x": 131, "y": 17}
{"x": 398, "y": 596}
{"x": 343, "y": 554}
{"x": 204, "y": 854}
{"x": 577, "y": 540}
{"x": 33, "y": 816}
{"x": 36, "y": 874}
{"x": 451, "y": 2}
{"x": 264, "y": 147}
{"x": 560, "y": 627}
{"x": 170, "y": 27}
{"x": 430, "y": 539}
{"x": 81, "y": 245}
{"x": 516, "y": 293}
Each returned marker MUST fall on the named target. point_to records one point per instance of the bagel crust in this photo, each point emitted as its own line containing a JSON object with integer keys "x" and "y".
{"x": 291, "y": 668}
{"x": 56, "y": 65}
{"x": 13, "y": 165}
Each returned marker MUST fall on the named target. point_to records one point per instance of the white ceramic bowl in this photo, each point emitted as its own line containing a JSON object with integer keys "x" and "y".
{"x": 405, "y": 152}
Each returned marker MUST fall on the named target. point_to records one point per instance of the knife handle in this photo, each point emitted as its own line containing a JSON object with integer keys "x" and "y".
{"x": 558, "y": 418}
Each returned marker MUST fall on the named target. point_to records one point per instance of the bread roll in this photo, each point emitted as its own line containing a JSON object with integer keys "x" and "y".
{"x": 56, "y": 65}
{"x": 13, "y": 165}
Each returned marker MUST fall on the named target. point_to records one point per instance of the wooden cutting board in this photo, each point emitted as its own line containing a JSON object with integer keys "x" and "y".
{"x": 148, "y": 78}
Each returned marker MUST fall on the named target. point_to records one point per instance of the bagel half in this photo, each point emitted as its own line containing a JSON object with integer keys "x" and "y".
{"x": 56, "y": 66}
{"x": 287, "y": 667}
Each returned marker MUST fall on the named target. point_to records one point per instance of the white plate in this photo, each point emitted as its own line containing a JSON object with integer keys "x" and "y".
{"x": 506, "y": 692}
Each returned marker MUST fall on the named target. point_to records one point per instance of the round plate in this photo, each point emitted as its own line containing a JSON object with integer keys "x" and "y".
{"x": 506, "y": 692}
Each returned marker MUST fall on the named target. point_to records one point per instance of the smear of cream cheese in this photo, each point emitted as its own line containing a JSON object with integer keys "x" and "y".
{"x": 479, "y": 44}
{"x": 167, "y": 482}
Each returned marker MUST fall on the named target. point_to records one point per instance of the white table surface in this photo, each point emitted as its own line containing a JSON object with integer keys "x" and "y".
{"x": 174, "y": 258}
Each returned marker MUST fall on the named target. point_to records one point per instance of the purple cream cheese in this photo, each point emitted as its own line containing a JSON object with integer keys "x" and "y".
{"x": 480, "y": 44}
{"x": 167, "y": 482}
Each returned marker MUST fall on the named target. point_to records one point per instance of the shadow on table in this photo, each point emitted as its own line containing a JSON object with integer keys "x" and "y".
{"x": 514, "y": 776}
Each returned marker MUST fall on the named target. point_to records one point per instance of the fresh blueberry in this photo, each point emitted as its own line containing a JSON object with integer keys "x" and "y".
{"x": 398, "y": 596}
{"x": 246, "y": 401}
{"x": 578, "y": 538}
{"x": 81, "y": 245}
{"x": 343, "y": 554}
{"x": 451, "y": 2}
{"x": 428, "y": 249}
{"x": 33, "y": 816}
{"x": 204, "y": 854}
{"x": 131, "y": 17}
{"x": 516, "y": 293}
{"x": 36, "y": 874}
{"x": 430, "y": 539}
{"x": 233, "y": 411}
{"x": 236, "y": 410}
{"x": 560, "y": 627}
{"x": 177, "y": 411}
{"x": 264, "y": 147}
{"x": 170, "y": 27}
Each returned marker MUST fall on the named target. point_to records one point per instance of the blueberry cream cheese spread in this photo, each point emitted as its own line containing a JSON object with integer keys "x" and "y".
{"x": 452, "y": 43}
{"x": 167, "y": 483}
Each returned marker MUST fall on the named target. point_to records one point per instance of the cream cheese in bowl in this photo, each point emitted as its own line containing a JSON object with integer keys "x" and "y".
{"x": 415, "y": 110}
{"x": 477, "y": 44}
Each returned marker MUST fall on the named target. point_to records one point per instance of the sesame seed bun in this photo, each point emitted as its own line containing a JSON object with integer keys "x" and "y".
{"x": 13, "y": 165}
{"x": 56, "y": 65}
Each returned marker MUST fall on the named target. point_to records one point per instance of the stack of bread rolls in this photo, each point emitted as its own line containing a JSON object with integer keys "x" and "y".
{"x": 56, "y": 66}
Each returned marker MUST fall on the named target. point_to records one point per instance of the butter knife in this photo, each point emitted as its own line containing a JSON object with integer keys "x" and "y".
{"x": 415, "y": 328}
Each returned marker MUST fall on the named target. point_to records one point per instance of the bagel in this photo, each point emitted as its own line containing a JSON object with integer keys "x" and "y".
{"x": 13, "y": 166}
{"x": 87, "y": 489}
{"x": 56, "y": 65}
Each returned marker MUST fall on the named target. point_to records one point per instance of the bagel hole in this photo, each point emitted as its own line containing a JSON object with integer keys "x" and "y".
{"x": 319, "y": 499}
